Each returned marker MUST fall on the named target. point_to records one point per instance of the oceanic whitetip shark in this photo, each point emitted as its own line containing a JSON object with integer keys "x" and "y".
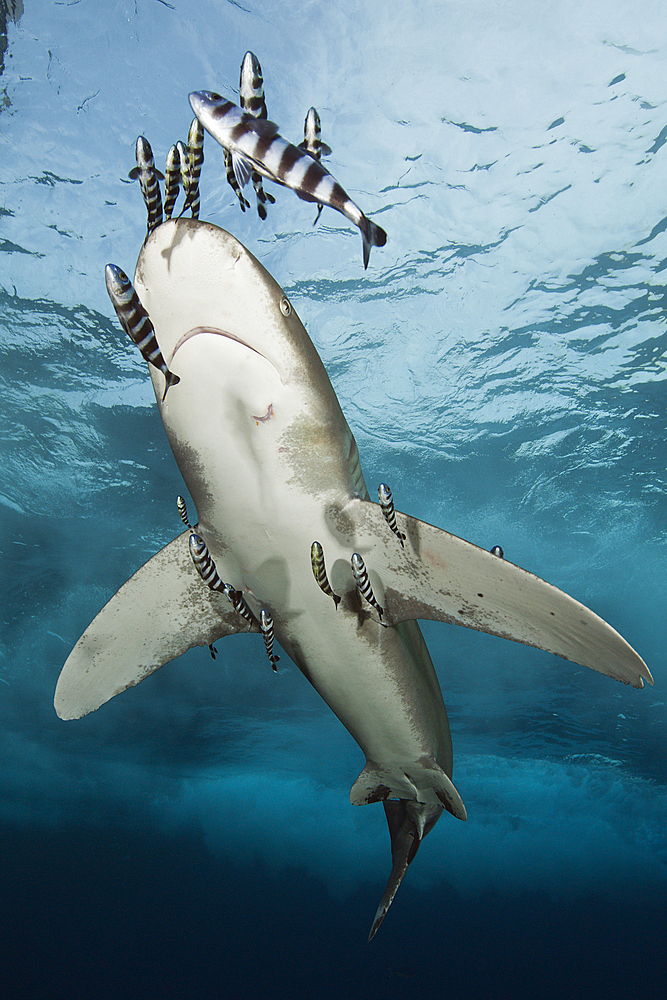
{"x": 272, "y": 467}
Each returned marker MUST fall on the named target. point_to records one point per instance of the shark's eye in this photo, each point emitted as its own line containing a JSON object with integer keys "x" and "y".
{"x": 285, "y": 306}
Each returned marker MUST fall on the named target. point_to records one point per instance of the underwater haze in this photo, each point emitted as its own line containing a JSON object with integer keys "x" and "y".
{"x": 502, "y": 365}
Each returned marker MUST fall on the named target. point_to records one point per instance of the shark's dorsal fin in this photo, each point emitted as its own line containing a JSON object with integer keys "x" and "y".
{"x": 161, "y": 612}
{"x": 441, "y": 577}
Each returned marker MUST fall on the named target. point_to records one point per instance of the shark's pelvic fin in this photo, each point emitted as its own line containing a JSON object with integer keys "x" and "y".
{"x": 444, "y": 578}
{"x": 161, "y": 612}
{"x": 423, "y": 781}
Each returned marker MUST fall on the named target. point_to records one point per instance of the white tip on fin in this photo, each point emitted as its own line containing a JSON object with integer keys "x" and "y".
{"x": 444, "y": 578}
{"x": 161, "y": 612}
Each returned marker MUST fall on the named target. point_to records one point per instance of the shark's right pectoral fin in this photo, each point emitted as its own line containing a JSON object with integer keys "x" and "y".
{"x": 160, "y": 613}
{"x": 441, "y": 577}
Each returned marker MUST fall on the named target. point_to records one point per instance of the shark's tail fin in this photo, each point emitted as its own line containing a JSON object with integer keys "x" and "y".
{"x": 372, "y": 236}
{"x": 408, "y": 822}
{"x": 414, "y": 796}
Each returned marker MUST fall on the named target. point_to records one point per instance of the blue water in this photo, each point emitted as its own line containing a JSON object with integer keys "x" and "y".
{"x": 502, "y": 365}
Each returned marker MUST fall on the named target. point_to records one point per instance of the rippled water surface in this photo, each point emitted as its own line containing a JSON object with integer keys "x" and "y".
{"x": 502, "y": 365}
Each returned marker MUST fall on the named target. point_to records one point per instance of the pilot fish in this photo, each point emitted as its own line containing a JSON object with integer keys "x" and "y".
{"x": 251, "y": 97}
{"x": 204, "y": 564}
{"x": 195, "y": 150}
{"x": 254, "y": 144}
{"x": 389, "y": 511}
{"x": 134, "y": 320}
{"x": 312, "y": 143}
{"x": 148, "y": 180}
{"x": 266, "y": 625}
{"x": 172, "y": 180}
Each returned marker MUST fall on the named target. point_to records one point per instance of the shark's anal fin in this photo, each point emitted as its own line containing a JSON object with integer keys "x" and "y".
{"x": 161, "y": 612}
{"x": 444, "y": 578}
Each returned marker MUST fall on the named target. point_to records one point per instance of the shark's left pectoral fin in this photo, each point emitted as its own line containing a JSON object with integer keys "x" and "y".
{"x": 161, "y": 612}
{"x": 444, "y": 578}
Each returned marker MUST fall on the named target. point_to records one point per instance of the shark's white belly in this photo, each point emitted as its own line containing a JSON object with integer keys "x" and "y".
{"x": 267, "y": 480}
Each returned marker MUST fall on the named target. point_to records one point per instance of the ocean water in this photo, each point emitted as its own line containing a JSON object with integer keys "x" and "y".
{"x": 502, "y": 365}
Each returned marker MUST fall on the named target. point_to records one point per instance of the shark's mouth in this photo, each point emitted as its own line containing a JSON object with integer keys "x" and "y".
{"x": 197, "y": 330}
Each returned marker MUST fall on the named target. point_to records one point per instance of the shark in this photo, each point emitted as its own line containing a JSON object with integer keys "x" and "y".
{"x": 284, "y": 511}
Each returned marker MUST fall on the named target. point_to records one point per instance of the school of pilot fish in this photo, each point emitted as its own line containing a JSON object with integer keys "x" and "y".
{"x": 273, "y": 468}
{"x": 252, "y": 149}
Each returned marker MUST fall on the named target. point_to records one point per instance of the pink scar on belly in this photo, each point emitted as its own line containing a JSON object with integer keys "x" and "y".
{"x": 269, "y": 413}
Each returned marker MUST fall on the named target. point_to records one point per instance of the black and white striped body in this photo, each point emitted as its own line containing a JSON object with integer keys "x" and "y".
{"x": 312, "y": 143}
{"x": 196, "y": 160}
{"x": 256, "y": 145}
{"x": 172, "y": 180}
{"x": 312, "y": 130}
{"x": 389, "y": 511}
{"x": 363, "y": 583}
{"x": 135, "y": 321}
{"x": 251, "y": 87}
{"x": 251, "y": 97}
{"x": 266, "y": 625}
{"x": 206, "y": 568}
{"x": 148, "y": 180}
{"x": 183, "y": 512}
{"x": 186, "y": 173}
{"x": 239, "y": 602}
{"x": 320, "y": 572}
{"x": 204, "y": 565}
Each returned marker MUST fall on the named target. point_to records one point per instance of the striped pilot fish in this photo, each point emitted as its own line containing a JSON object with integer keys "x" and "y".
{"x": 254, "y": 144}
{"x": 389, "y": 511}
{"x": 148, "y": 179}
{"x": 320, "y": 571}
{"x": 183, "y": 511}
{"x": 186, "y": 172}
{"x": 312, "y": 143}
{"x": 312, "y": 129}
{"x": 135, "y": 321}
{"x": 363, "y": 583}
{"x": 251, "y": 98}
{"x": 195, "y": 151}
{"x": 172, "y": 180}
{"x": 206, "y": 568}
{"x": 204, "y": 564}
{"x": 266, "y": 625}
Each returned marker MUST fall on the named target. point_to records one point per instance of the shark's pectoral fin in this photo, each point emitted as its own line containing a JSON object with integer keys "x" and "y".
{"x": 444, "y": 578}
{"x": 161, "y": 612}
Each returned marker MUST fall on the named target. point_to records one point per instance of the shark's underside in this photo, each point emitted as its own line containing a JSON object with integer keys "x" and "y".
{"x": 272, "y": 466}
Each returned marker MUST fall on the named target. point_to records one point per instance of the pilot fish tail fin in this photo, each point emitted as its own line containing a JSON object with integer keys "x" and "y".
{"x": 170, "y": 379}
{"x": 372, "y": 235}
